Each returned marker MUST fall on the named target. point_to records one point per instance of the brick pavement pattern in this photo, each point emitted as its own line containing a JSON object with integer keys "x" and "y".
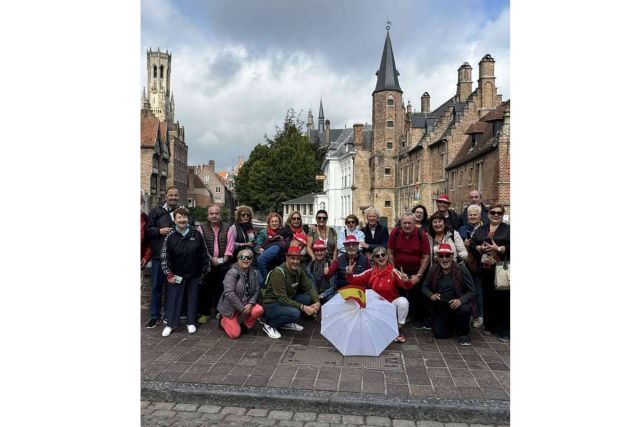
{"x": 422, "y": 367}
{"x": 178, "y": 415}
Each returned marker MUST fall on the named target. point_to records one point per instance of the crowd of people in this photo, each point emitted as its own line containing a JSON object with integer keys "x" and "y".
{"x": 438, "y": 271}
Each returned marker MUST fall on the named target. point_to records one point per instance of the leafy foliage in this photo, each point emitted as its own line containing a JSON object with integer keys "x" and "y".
{"x": 281, "y": 169}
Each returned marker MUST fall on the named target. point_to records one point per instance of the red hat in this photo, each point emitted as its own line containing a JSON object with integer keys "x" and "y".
{"x": 319, "y": 245}
{"x": 294, "y": 251}
{"x": 301, "y": 237}
{"x": 443, "y": 198}
{"x": 351, "y": 239}
{"x": 444, "y": 249}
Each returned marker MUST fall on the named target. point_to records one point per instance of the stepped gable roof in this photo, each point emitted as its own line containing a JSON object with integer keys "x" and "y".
{"x": 148, "y": 131}
{"x": 486, "y": 143}
{"x": 387, "y": 73}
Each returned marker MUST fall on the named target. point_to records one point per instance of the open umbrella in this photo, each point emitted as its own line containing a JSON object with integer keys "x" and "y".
{"x": 358, "y": 331}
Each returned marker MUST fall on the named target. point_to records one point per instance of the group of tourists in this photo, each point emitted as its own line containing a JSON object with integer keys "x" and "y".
{"x": 438, "y": 271}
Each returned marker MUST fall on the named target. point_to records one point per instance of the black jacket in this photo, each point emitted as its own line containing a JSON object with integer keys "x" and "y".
{"x": 380, "y": 237}
{"x": 159, "y": 218}
{"x": 185, "y": 256}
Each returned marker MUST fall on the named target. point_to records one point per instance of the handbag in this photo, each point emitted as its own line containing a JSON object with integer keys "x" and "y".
{"x": 503, "y": 276}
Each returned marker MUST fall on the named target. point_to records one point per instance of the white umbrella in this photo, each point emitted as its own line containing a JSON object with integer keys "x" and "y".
{"x": 357, "y": 331}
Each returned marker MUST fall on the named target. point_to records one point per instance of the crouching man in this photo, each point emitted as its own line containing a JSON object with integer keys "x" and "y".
{"x": 288, "y": 294}
{"x": 450, "y": 290}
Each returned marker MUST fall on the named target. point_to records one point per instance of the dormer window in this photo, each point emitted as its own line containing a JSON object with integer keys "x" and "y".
{"x": 475, "y": 138}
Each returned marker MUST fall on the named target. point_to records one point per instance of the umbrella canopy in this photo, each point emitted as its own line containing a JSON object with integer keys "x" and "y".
{"x": 357, "y": 331}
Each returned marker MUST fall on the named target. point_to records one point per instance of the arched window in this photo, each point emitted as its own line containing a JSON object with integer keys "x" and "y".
{"x": 162, "y": 71}
{"x": 390, "y": 101}
{"x": 155, "y": 71}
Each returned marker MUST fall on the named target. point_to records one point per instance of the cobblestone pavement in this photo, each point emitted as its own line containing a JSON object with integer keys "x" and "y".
{"x": 188, "y": 415}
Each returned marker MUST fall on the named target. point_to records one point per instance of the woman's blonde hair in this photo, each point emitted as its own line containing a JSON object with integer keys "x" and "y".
{"x": 241, "y": 209}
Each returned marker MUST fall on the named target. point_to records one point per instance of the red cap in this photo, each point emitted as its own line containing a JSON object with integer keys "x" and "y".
{"x": 294, "y": 251}
{"x": 351, "y": 239}
{"x": 443, "y": 198}
{"x": 444, "y": 249}
{"x": 319, "y": 245}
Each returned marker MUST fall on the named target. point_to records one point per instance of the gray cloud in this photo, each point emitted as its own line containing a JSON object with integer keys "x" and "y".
{"x": 237, "y": 66}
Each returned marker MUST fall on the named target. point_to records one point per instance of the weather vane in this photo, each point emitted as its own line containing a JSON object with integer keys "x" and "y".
{"x": 388, "y": 25}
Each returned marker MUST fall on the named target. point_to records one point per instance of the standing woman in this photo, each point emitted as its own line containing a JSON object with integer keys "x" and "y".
{"x": 385, "y": 280}
{"x": 440, "y": 233}
{"x": 241, "y": 232}
{"x": 472, "y": 222}
{"x": 351, "y": 227}
{"x": 422, "y": 218}
{"x": 185, "y": 262}
{"x": 239, "y": 303}
{"x": 375, "y": 234}
{"x": 492, "y": 243}
{"x": 323, "y": 232}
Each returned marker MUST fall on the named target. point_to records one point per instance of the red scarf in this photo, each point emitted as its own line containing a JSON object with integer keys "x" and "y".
{"x": 380, "y": 272}
{"x": 272, "y": 232}
{"x": 296, "y": 230}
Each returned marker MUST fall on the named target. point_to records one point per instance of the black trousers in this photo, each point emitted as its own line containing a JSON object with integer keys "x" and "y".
{"x": 497, "y": 305}
{"x": 176, "y": 294}
{"x": 210, "y": 291}
{"x": 444, "y": 319}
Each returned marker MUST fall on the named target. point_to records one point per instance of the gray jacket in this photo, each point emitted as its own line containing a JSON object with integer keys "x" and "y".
{"x": 233, "y": 298}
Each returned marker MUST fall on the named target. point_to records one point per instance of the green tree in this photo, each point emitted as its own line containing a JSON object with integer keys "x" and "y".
{"x": 281, "y": 169}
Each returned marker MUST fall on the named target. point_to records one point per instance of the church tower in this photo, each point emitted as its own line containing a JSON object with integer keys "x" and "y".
{"x": 159, "y": 92}
{"x": 388, "y": 124}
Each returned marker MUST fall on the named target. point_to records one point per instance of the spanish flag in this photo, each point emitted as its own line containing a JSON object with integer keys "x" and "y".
{"x": 355, "y": 293}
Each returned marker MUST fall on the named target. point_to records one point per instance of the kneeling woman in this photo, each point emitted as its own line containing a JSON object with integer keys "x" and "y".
{"x": 385, "y": 280}
{"x": 238, "y": 304}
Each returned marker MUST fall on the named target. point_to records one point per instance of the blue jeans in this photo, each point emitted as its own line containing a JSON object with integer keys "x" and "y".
{"x": 277, "y": 314}
{"x": 157, "y": 282}
{"x": 265, "y": 258}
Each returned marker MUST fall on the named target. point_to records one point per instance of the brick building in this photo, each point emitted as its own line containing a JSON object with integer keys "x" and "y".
{"x": 197, "y": 194}
{"x": 158, "y": 103}
{"x": 155, "y": 154}
{"x": 215, "y": 184}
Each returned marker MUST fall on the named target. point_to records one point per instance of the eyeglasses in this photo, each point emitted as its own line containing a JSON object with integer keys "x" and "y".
{"x": 245, "y": 257}
{"x": 321, "y": 218}
{"x": 496, "y": 212}
{"x": 444, "y": 255}
{"x": 380, "y": 255}
{"x": 350, "y": 222}
{"x": 245, "y": 214}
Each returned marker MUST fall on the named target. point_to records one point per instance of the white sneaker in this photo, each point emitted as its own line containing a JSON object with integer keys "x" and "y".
{"x": 191, "y": 329}
{"x": 477, "y": 322}
{"x": 166, "y": 331}
{"x": 292, "y": 327}
{"x": 271, "y": 331}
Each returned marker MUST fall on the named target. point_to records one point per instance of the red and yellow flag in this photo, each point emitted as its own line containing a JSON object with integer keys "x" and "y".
{"x": 355, "y": 293}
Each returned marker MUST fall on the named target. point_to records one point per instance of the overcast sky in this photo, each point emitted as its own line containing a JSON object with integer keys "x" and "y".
{"x": 238, "y": 65}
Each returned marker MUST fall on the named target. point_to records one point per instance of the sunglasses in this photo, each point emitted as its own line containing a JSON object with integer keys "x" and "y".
{"x": 245, "y": 214}
{"x": 380, "y": 255}
{"x": 245, "y": 257}
{"x": 444, "y": 255}
{"x": 496, "y": 212}
{"x": 350, "y": 222}
{"x": 295, "y": 219}
{"x": 321, "y": 218}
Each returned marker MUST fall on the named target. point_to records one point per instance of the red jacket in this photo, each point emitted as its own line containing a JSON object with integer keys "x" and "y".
{"x": 385, "y": 281}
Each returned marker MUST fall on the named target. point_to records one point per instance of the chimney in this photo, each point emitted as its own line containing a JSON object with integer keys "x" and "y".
{"x": 425, "y": 102}
{"x": 212, "y": 163}
{"x": 487, "y": 83}
{"x": 464, "y": 82}
{"x": 327, "y": 132}
{"x": 357, "y": 134}
{"x": 409, "y": 107}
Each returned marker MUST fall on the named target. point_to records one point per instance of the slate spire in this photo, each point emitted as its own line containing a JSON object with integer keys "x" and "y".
{"x": 321, "y": 118}
{"x": 387, "y": 74}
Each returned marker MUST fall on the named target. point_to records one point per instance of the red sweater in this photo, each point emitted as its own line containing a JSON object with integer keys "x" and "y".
{"x": 385, "y": 281}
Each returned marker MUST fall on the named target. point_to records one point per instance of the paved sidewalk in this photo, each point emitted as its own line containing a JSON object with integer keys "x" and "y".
{"x": 440, "y": 378}
{"x": 181, "y": 414}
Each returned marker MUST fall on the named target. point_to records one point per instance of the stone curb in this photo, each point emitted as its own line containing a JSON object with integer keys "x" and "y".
{"x": 442, "y": 410}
